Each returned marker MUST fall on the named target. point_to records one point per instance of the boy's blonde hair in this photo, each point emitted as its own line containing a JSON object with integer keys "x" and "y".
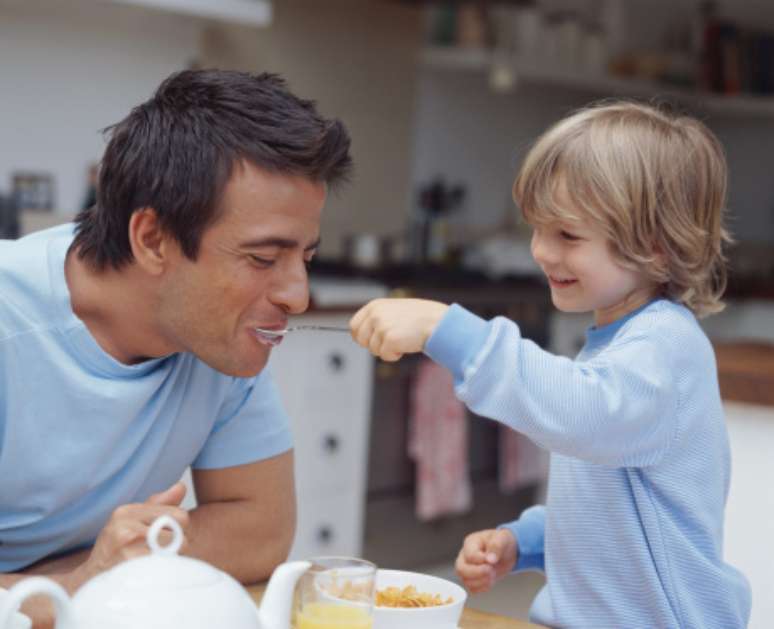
{"x": 654, "y": 181}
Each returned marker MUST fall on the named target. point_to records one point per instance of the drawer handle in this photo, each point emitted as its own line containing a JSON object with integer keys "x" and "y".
{"x": 325, "y": 535}
{"x": 336, "y": 361}
{"x": 331, "y": 443}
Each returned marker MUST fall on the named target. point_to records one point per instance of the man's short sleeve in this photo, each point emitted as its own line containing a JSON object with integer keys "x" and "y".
{"x": 252, "y": 426}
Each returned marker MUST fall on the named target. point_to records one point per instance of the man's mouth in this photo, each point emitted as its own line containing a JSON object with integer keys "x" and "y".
{"x": 267, "y": 338}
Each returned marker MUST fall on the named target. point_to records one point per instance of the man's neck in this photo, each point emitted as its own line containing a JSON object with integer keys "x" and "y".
{"x": 117, "y": 307}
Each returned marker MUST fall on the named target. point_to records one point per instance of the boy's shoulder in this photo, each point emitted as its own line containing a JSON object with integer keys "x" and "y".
{"x": 670, "y": 326}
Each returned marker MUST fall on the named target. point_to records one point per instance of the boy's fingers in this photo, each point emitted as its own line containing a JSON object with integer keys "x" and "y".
{"x": 354, "y": 322}
{"x": 363, "y": 332}
{"x": 495, "y": 547}
{"x": 477, "y": 585}
{"x": 474, "y": 548}
{"x": 391, "y": 357}
{"x": 477, "y": 573}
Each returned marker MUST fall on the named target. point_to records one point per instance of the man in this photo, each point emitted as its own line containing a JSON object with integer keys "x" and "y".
{"x": 128, "y": 348}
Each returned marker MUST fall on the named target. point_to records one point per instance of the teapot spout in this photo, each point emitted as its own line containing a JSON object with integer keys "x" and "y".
{"x": 278, "y": 598}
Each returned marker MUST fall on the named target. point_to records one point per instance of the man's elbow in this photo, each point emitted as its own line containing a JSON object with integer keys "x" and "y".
{"x": 271, "y": 551}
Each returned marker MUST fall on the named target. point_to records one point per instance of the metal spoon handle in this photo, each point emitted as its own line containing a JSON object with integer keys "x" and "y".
{"x": 325, "y": 328}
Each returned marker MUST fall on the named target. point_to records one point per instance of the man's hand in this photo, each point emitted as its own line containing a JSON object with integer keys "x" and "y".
{"x": 123, "y": 537}
{"x": 485, "y": 557}
{"x": 389, "y": 328}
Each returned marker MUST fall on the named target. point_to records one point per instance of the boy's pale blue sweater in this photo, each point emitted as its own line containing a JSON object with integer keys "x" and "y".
{"x": 632, "y": 533}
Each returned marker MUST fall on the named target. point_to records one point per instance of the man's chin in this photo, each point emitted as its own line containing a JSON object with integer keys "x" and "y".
{"x": 241, "y": 369}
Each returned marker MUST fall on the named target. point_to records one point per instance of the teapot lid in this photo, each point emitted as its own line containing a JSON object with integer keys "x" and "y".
{"x": 163, "y": 568}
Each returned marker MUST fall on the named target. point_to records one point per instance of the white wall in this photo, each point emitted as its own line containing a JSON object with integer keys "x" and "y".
{"x": 357, "y": 59}
{"x": 69, "y": 69}
{"x": 469, "y": 134}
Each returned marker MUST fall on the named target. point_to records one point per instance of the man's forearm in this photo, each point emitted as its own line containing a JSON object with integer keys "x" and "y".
{"x": 244, "y": 541}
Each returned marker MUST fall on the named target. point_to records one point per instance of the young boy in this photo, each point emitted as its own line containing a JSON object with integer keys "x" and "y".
{"x": 626, "y": 205}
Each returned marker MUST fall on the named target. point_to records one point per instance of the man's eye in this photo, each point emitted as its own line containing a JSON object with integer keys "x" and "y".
{"x": 262, "y": 262}
{"x": 568, "y": 236}
{"x": 308, "y": 264}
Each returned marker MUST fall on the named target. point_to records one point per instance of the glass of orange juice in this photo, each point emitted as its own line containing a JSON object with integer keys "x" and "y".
{"x": 336, "y": 593}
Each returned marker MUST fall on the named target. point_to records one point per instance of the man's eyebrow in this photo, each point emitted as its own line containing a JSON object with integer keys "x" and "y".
{"x": 274, "y": 241}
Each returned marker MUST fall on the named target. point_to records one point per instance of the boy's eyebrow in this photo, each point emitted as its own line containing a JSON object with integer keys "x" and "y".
{"x": 276, "y": 241}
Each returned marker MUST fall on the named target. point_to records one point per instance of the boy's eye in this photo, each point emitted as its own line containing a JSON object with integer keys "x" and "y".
{"x": 568, "y": 236}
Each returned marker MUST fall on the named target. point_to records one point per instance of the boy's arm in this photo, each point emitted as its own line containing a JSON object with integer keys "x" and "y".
{"x": 529, "y": 531}
{"x": 617, "y": 409}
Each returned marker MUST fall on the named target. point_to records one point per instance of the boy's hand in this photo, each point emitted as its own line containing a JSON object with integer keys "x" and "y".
{"x": 485, "y": 557}
{"x": 389, "y": 328}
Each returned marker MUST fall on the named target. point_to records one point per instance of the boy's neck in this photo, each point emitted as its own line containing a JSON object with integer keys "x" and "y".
{"x": 634, "y": 300}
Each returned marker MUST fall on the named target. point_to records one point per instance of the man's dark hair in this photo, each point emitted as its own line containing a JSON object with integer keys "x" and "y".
{"x": 176, "y": 152}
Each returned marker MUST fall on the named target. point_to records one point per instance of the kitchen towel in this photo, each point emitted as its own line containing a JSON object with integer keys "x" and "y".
{"x": 438, "y": 443}
{"x": 520, "y": 462}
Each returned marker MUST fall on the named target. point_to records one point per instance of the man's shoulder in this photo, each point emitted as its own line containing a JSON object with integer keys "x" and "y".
{"x": 25, "y": 279}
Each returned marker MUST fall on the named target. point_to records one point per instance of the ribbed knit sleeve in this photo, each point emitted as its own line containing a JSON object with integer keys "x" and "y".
{"x": 616, "y": 408}
{"x": 529, "y": 531}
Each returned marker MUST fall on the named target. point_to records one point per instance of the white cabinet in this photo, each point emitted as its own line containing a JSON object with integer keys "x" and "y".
{"x": 749, "y": 545}
{"x": 325, "y": 381}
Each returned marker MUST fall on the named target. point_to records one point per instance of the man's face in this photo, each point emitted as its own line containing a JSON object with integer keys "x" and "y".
{"x": 251, "y": 271}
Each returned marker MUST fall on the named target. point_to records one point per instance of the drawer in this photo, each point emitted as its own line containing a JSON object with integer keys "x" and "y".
{"x": 324, "y": 371}
{"x": 330, "y": 450}
{"x": 328, "y": 524}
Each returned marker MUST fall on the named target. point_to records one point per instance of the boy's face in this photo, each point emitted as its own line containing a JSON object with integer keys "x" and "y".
{"x": 583, "y": 274}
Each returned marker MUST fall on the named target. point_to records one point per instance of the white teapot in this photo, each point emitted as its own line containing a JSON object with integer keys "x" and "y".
{"x": 161, "y": 591}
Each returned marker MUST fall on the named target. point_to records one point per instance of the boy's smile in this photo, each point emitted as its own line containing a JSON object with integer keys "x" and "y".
{"x": 583, "y": 273}
{"x": 561, "y": 282}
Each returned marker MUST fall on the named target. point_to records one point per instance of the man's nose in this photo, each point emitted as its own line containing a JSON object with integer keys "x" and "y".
{"x": 291, "y": 291}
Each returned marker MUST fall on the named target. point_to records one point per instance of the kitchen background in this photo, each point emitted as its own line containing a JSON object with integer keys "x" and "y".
{"x": 442, "y": 99}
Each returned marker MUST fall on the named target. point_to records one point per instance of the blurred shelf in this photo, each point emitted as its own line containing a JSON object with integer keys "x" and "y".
{"x": 535, "y": 71}
{"x": 251, "y": 12}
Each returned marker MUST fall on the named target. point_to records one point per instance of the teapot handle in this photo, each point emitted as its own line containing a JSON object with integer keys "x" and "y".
{"x": 65, "y": 617}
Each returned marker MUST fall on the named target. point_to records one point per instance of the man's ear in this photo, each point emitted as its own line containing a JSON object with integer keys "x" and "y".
{"x": 149, "y": 242}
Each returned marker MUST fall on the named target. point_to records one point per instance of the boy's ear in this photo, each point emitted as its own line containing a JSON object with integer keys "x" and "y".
{"x": 149, "y": 242}
{"x": 660, "y": 257}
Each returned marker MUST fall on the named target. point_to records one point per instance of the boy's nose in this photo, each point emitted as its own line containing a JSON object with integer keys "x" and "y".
{"x": 541, "y": 249}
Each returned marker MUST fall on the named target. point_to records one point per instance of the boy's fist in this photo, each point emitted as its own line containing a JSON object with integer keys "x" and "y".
{"x": 390, "y": 328}
{"x": 485, "y": 557}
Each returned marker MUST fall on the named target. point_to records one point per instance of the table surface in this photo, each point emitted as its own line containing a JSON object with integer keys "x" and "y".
{"x": 471, "y": 618}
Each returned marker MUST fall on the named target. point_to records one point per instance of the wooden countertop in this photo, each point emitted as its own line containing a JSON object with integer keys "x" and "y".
{"x": 746, "y": 371}
{"x": 471, "y": 619}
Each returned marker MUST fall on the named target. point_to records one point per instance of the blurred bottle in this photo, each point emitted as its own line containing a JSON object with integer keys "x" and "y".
{"x": 443, "y": 24}
{"x": 471, "y": 26}
{"x": 613, "y": 22}
{"x": 9, "y": 217}
{"x": 594, "y": 51}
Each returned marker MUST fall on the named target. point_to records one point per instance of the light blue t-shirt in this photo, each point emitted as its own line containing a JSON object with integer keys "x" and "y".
{"x": 632, "y": 533}
{"x": 81, "y": 433}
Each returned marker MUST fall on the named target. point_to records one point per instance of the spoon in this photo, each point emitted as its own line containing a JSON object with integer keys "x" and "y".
{"x": 293, "y": 328}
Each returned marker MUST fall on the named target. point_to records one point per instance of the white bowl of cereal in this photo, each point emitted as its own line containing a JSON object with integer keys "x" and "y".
{"x": 412, "y": 600}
